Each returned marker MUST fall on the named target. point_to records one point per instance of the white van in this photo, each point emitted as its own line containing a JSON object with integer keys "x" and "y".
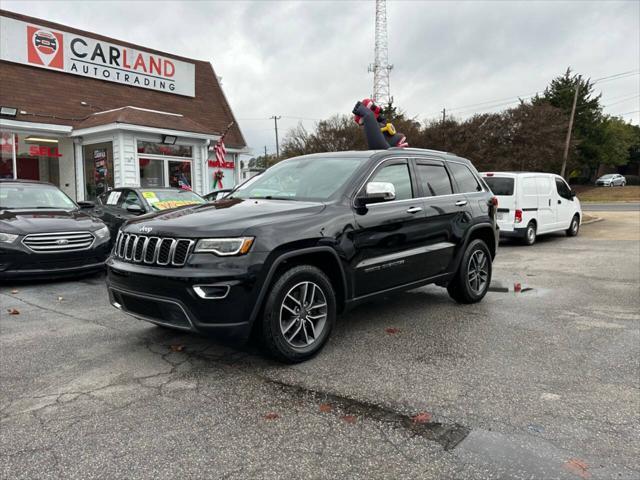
{"x": 531, "y": 204}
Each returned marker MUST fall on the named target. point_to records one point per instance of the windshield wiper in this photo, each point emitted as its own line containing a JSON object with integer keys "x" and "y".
{"x": 271, "y": 197}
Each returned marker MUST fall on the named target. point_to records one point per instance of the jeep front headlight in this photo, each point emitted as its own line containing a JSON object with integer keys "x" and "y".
{"x": 224, "y": 247}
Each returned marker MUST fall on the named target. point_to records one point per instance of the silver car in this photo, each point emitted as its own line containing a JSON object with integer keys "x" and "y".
{"x": 611, "y": 180}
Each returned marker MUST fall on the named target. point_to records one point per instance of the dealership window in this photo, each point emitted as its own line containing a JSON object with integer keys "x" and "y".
{"x": 151, "y": 172}
{"x": 150, "y": 148}
{"x": 7, "y": 154}
{"x": 98, "y": 169}
{"x": 164, "y": 165}
{"x": 179, "y": 174}
{"x": 38, "y": 158}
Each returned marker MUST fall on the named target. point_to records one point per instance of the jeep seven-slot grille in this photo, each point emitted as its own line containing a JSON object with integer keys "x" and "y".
{"x": 58, "y": 242}
{"x": 161, "y": 251}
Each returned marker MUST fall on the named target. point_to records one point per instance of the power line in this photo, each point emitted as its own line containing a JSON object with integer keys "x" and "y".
{"x": 625, "y": 113}
{"x": 502, "y": 101}
{"x": 615, "y": 76}
{"x": 622, "y": 101}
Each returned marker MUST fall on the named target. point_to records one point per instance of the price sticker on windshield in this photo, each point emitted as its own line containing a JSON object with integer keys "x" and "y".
{"x": 151, "y": 197}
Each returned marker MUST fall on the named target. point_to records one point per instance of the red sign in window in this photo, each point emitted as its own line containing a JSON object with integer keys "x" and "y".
{"x": 42, "y": 151}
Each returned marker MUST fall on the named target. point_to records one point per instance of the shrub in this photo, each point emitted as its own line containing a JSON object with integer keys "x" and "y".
{"x": 632, "y": 179}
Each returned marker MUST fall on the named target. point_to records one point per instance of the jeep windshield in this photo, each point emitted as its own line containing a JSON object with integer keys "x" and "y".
{"x": 301, "y": 179}
{"x": 27, "y": 196}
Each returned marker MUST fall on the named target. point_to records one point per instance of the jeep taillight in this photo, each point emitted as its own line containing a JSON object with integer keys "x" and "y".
{"x": 518, "y": 216}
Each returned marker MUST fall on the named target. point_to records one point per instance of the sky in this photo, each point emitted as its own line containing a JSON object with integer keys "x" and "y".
{"x": 305, "y": 61}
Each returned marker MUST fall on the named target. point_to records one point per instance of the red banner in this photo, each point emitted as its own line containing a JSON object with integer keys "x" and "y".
{"x": 219, "y": 164}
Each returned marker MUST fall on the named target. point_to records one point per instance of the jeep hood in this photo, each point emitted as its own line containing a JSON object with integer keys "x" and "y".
{"x": 227, "y": 217}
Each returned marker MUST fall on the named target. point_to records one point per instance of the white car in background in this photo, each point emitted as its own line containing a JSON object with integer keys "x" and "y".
{"x": 611, "y": 180}
{"x": 532, "y": 204}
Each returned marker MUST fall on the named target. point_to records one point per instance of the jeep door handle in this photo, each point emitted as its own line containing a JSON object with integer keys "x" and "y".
{"x": 414, "y": 210}
{"x": 461, "y": 203}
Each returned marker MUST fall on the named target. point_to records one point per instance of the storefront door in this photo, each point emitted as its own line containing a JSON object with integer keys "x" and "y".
{"x": 98, "y": 169}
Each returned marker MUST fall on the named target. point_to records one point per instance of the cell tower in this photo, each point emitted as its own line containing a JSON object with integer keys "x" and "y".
{"x": 380, "y": 67}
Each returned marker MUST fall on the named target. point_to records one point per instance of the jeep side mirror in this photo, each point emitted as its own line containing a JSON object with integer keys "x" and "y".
{"x": 376, "y": 192}
{"x": 135, "y": 209}
{"x": 573, "y": 194}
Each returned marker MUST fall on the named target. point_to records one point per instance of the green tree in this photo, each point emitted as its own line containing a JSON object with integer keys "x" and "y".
{"x": 614, "y": 139}
{"x": 262, "y": 161}
{"x": 588, "y": 120}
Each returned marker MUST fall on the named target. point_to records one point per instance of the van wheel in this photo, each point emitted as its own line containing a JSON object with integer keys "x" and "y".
{"x": 530, "y": 234}
{"x": 299, "y": 314}
{"x": 574, "y": 228}
{"x": 472, "y": 280}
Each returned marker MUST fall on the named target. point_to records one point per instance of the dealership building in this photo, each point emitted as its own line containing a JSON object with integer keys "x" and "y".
{"x": 89, "y": 113}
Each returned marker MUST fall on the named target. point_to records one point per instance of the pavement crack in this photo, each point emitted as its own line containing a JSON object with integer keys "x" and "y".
{"x": 448, "y": 435}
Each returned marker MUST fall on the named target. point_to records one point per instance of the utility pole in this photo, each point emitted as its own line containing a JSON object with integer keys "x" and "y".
{"x": 444, "y": 134}
{"x": 568, "y": 140}
{"x": 275, "y": 122}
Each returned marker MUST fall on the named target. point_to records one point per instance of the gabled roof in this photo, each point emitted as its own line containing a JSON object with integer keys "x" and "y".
{"x": 54, "y": 97}
{"x": 142, "y": 116}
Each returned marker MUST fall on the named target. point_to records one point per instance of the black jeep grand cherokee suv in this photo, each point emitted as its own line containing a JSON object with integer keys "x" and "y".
{"x": 309, "y": 238}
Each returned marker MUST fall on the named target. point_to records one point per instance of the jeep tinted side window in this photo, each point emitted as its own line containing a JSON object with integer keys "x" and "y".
{"x": 398, "y": 175}
{"x": 434, "y": 180}
{"x": 465, "y": 179}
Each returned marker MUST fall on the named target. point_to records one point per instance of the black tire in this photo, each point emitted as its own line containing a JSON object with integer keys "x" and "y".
{"x": 530, "y": 234}
{"x": 460, "y": 288}
{"x": 574, "y": 226}
{"x": 273, "y": 338}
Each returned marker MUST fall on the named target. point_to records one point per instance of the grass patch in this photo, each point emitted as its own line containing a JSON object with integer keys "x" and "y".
{"x": 587, "y": 193}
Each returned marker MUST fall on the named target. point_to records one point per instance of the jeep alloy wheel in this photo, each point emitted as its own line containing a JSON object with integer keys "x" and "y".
{"x": 303, "y": 314}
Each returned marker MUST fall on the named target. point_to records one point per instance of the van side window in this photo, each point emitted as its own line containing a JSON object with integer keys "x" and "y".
{"x": 563, "y": 189}
{"x": 434, "y": 180}
{"x": 465, "y": 179}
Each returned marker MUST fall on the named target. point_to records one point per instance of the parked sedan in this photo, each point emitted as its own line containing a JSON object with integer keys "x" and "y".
{"x": 611, "y": 180}
{"x": 121, "y": 204}
{"x": 43, "y": 233}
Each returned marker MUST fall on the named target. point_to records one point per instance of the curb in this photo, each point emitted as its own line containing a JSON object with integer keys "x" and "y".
{"x": 593, "y": 220}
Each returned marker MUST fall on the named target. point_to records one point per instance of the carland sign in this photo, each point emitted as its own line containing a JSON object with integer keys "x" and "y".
{"x": 53, "y": 49}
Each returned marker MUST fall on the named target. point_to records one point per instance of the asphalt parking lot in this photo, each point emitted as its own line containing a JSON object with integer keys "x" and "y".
{"x": 540, "y": 380}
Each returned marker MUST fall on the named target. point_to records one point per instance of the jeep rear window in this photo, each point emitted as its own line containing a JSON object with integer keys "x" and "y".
{"x": 301, "y": 179}
{"x": 500, "y": 185}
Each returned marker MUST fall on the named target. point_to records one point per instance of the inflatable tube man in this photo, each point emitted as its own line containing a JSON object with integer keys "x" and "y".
{"x": 380, "y": 134}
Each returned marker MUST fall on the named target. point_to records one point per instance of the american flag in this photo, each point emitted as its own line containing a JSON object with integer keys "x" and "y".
{"x": 220, "y": 150}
